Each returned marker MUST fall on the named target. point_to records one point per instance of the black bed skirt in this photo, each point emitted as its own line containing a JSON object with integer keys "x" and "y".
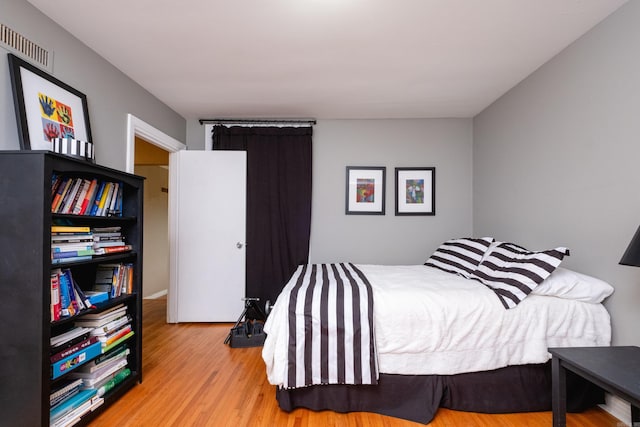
{"x": 524, "y": 388}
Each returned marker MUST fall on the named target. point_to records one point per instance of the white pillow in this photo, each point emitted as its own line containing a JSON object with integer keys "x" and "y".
{"x": 565, "y": 283}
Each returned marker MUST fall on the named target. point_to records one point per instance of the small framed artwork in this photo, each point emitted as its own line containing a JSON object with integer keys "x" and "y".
{"x": 415, "y": 191}
{"x": 46, "y": 108}
{"x": 365, "y": 190}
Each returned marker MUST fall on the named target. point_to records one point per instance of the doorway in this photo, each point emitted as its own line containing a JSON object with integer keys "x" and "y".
{"x": 147, "y": 142}
{"x": 152, "y": 162}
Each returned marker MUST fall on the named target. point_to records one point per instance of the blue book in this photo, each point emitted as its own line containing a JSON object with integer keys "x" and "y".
{"x": 119, "y": 199}
{"x": 70, "y": 259}
{"x": 74, "y": 247}
{"x": 72, "y": 403}
{"x": 65, "y": 297}
{"x": 71, "y": 254}
{"x": 73, "y": 308}
{"x": 76, "y": 359}
{"x": 94, "y": 208}
{"x": 96, "y": 297}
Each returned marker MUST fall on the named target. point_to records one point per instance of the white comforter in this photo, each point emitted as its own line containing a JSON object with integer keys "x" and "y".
{"x": 431, "y": 322}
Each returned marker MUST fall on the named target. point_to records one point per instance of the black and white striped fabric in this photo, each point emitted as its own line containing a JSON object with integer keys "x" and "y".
{"x": 74, "y": 148}
{"x": 512, "y": 272}
{"x": 460, "y": 256}
{"x": 331, "y": 336}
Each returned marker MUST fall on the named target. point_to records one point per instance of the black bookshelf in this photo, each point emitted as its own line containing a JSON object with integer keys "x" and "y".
{"x": 25, "y": 268}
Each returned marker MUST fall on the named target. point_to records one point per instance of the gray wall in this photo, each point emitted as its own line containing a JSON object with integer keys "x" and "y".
{"x": 556, "y": 161}
{"x": 110, "y": 94}
{"x": 389, "y": 239}
{"x": 375, "y": 239}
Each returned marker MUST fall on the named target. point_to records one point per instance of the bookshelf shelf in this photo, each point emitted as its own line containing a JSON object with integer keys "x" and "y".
{"x": 26, "y": 267}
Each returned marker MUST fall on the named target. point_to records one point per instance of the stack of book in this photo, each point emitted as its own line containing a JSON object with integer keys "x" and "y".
{"x": 69, "y": 400}
{"x": 67, "y": 298}
{"x": 93, "y": 356}
{"x": 111, "y": 327}
{"x": 104, "y": 372}
{"x": 81, "y": 196}
{"x": 116, "y": 279}
{"x": 71, "y": 349}
{"x": 109, "y": 240}
{"x": 71, "y": 243}
{"x": 70, "y": 410}
{"x": 72, "y": 399}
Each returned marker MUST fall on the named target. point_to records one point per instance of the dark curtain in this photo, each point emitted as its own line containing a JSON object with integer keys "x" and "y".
{"x": 278, "y": 202}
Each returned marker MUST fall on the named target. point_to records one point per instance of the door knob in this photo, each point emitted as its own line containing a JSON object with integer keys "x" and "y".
{"x": 239, "y": 245}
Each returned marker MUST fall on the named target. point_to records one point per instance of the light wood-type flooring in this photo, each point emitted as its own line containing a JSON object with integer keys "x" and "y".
{"x": 190, "y": 378}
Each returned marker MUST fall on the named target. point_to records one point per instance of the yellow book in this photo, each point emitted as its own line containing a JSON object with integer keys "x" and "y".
{"x": 108, "y": 189}
{"x": 69, "y": 229}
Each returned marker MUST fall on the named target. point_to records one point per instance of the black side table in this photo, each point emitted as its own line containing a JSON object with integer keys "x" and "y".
{"x": 615, "y": 369}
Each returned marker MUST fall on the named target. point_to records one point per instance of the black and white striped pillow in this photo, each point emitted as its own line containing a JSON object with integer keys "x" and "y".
{"x": 512, "y": 272}
{"x": 459, "y": 256}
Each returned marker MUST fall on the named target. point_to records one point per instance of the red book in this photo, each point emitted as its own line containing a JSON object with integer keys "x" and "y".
{"x": 117, "y": 335}
{"x": 89, "y": 197}
{"x": 116, "y": 249}
{"x": 76, "y": 347}
{"x": 55, "y": 295}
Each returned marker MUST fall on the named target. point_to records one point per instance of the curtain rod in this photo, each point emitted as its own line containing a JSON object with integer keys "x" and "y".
{"x": 254, "y": 121}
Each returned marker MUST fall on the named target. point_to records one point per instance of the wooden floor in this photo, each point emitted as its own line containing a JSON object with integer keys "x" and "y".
{"x": 190, "y": 378}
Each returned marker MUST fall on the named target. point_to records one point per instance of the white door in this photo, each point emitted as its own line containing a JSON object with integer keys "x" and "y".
{"x": 207, "y": 199}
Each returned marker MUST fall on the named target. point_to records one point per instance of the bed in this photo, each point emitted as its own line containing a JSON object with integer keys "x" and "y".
{"x": 469, "y": 330}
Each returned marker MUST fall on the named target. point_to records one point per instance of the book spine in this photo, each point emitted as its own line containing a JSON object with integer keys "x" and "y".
{"x": 96, "y": 203}
{"x": 86, "y": 202}
{"x": 54, "y": 402}
{"x": 114, "y": 198}
{"x": 66, "y": 388}
{"x": 105, "y": 196}
{"x": 55, "y": 295}
{"x": 71, "y": 196}
{"x": 81, "y": 295}
{"x": 65, "y": 298}
{"x": 109, "y": 385}
{"x": 112, "y": 325}
{"x": 73, "y": 303}
{"x": 69, "y": 351}
{"x": 122, "y": 349}
{"x": 98, "y": 297}
{"x": 72, "y": 259}
{"x": 68, "y": 247}
{"x": 62, "y": 190}
{"x": 70, "y": 229}
{"x": 72, "y": 403}
{"x": 119, "y": 202}
{"x": 115, "y": 249}
{"x": 82, "y": 194}
{"x": 76, "y": 359}
{"x": 55, "y": 182}
{"x": 115, "y": 336}
{"x": 70, "y": 254}
{"x": 129, "y": 279}
{"x": 115, "y": 343}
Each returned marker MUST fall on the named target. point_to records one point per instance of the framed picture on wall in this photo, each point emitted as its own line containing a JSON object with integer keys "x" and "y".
{"x": 365, "y": 190}
{"x": 416, "y": 191}
{"x": 46, "y": 108}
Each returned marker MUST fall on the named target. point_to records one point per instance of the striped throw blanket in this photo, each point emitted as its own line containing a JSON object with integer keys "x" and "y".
{"x": 331, "y": 337}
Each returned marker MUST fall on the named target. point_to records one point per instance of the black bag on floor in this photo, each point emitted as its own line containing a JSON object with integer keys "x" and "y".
{"x": 248, "y": 333}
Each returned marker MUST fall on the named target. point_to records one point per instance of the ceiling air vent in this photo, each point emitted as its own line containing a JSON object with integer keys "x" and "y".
{"x": 24, "y": 47}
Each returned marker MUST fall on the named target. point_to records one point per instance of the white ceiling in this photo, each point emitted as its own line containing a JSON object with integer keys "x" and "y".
{"x": 327, "y": 59}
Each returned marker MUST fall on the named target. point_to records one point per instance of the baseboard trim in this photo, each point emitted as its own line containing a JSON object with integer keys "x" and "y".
{"x": 157, "y": 294}
{"x": 618, "y": 408}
